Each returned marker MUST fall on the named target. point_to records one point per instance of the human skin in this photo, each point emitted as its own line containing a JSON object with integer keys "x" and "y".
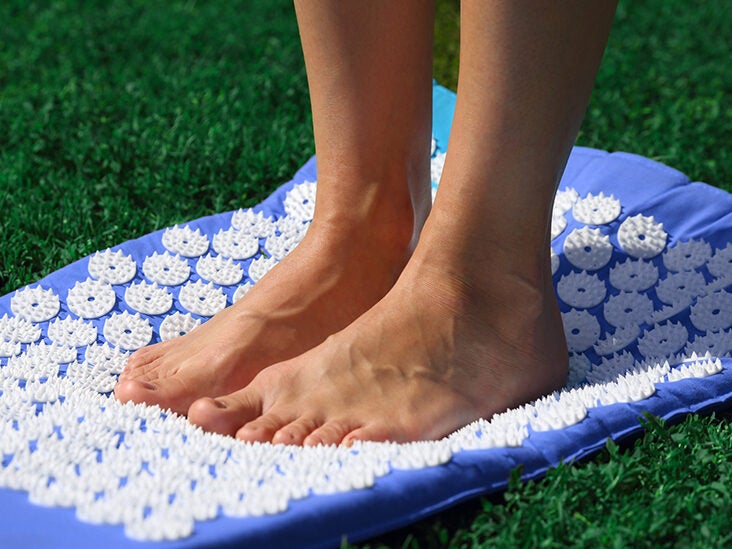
{"x": 471, "y": 325}
{"x": 373, "y": 196}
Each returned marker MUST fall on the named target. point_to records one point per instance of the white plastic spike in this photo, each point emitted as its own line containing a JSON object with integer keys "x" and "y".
{"x": 166, "y": 269}
{"x": 633, "y": 275}
{"x": 581, "y": 330}
{"x": 292, "y": 227}
{"x": 596, "y": 210}
{"x": 559, "y": 223}
{"x": 148, "y": 298}
{"x": 202, "y": 299}
{"x": 663, "y": 340}
{"x": 289, "y": 234}
{"x": 16, "y": 329}
{"x": 720, "y": 265}
{"x": 112, "y": 267}
{"x": 618, "y": 340}
{"x": 712, "y": 312}
{"x": 642, "y": 237}
{"x": 35, "y": 304}
{"x": 581, "y": 290}
{"x": 91, "y": 298}
{"x": 260, "y": 267}
{"x": 72, "y": 332}
{"x": 717, "y": 284}
{"x": 718, "y": 344}
{"x": 255, "y": 224}
{"x": 176, "y": 325}
{"x": 185, "y": 241}
{"x": 668, "y": 312}
{"x": 241, "y": 291}
{"x": 218, "y": 270}
{"x": 687, "y": 256}
{"x": 554, "y": 261}
{"x": 24, "y": 367}
{"x": 696, "y": 368}
{"x": 126, "y": 331}
{"x": 579, "y": 365}
{"x": 235, "y": 244}
{"x": 106, "y": 358}
{"x": 628, "y": 309}
{"x": 9, "y": 348}
{"x": 43, "y": 352}
{"x": 300, "y": 201}
{"x": 280, "y": 245}
{"x": 681, "y": 288}
{"x": 564, "y": 200}
{"x": 588, "y": 249}
{"x": 612, "y": 368}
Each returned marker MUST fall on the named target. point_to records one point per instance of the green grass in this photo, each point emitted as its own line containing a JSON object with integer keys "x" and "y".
{"x": 121, "y": 117}
{"x": 118, "y": 118}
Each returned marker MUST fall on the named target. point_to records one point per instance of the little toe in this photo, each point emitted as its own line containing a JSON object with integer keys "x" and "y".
{"x": 225, "y": 415}
{"x": 370, "y": 433}
{"x": 296, "y": 432}
{"x": 332, "y": 432}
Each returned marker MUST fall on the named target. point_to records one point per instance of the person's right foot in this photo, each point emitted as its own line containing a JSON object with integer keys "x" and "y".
{"x": 333, "y": 276}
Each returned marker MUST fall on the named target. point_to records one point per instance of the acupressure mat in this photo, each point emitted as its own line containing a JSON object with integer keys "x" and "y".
{"x": 642, "y": 261}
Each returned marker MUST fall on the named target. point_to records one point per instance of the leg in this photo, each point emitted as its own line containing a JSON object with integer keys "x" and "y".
{"x": 472, "y": 325}
{"x": 369, "y": 70}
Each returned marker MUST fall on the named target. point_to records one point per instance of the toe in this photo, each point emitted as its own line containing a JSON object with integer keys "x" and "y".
{"x": 227, "y": 414}
{"x": 147, "y": 370}
{"x": 134, "y": 390}
{"x": 330, "y": 433}
{"x": 371, "y": 433}
{"x": 147, "y": 366}
{"x": 296, "y": 432}
{"x": 144, "y": 356}
{"x": 170, "y": 393}
{"x": 264, "y": 428}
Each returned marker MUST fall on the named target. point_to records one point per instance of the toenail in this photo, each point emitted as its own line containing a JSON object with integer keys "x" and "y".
{"x": 148, "y": 386}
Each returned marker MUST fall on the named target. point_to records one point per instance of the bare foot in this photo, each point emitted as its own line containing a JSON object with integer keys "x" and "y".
{"x": 433, "y": 355}
{"x": 332, "y": 277}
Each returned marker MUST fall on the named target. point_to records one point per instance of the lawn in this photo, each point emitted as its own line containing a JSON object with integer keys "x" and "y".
{"x": 119, "y": 118}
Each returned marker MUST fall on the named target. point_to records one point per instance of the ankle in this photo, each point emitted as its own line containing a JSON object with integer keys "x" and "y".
{"x": 487, "y": 292}
{"x": 502, "y": 259}
{"x": 387, "y": 224}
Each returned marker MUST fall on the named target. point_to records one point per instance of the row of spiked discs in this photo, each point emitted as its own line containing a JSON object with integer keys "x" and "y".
{"x": 189, "y": 278}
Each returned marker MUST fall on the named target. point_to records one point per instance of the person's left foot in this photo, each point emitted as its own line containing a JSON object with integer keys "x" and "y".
{"x": 431, "y": 356}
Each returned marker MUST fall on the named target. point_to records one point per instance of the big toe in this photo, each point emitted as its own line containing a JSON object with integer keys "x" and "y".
{"x": 168, "y": 393}
{"x": 135, "y": 390}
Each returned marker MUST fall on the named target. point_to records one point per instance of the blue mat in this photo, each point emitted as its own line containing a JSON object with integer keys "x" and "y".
{"x": 642, "y": 262}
